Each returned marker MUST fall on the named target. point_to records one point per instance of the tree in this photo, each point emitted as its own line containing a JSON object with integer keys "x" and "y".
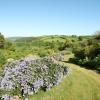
{"x": 80, "y": 38}
{"x": 10, "y": 46}
{"x": 97, "y": 35}
{"x": 2, "y": 59}
{"x": 64, "y": 45}
{"x": 2, "y": 41}
{"x": 88, "y": 52}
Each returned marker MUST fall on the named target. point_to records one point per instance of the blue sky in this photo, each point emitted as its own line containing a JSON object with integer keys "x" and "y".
{"x": 45, "y": 17}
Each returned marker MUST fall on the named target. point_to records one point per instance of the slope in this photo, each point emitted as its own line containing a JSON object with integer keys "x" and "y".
{"x": 81, "y": 84}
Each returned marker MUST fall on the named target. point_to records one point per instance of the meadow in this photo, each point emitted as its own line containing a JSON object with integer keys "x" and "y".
{"x": 81, "y": 54}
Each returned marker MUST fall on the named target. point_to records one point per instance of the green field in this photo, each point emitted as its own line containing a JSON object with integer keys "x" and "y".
{"x": 81, "y": 84}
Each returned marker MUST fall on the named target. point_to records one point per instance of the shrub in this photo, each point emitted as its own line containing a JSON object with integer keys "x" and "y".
{"x": 2, "y": 59}
{"x": 2, "y": 41}
{"x": 30, "y": 74}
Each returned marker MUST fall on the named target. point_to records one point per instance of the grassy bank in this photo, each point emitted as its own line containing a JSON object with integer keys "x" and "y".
{"x": 81, "y": 84}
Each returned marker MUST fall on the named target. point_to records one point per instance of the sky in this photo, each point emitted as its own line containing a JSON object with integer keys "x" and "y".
{"x": 49, "y": 17}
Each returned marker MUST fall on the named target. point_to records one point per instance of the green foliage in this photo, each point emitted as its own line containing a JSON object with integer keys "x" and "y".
{"x": 10, "y": 46}
{"x": 2, "y": 59}
{"x": 66, "y": 44}
{"x": 97, "y": 35}
{"x": 2, "y": 41}
{"x": 87, "y": 53}
{"x": 85, "y": 48}
{"x": 80, "y": 38}
{"x": 43, "y": 53}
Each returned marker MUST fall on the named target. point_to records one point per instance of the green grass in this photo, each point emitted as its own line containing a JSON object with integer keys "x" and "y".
{"x": 81, "y": 84}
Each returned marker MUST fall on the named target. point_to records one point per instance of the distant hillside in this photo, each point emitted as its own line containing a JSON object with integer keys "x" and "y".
{"x": 45, "y": 38}
{"x": 13, "y": 38}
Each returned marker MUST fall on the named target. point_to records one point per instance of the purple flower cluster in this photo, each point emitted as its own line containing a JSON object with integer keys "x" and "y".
{"x": 31, "y": 74}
